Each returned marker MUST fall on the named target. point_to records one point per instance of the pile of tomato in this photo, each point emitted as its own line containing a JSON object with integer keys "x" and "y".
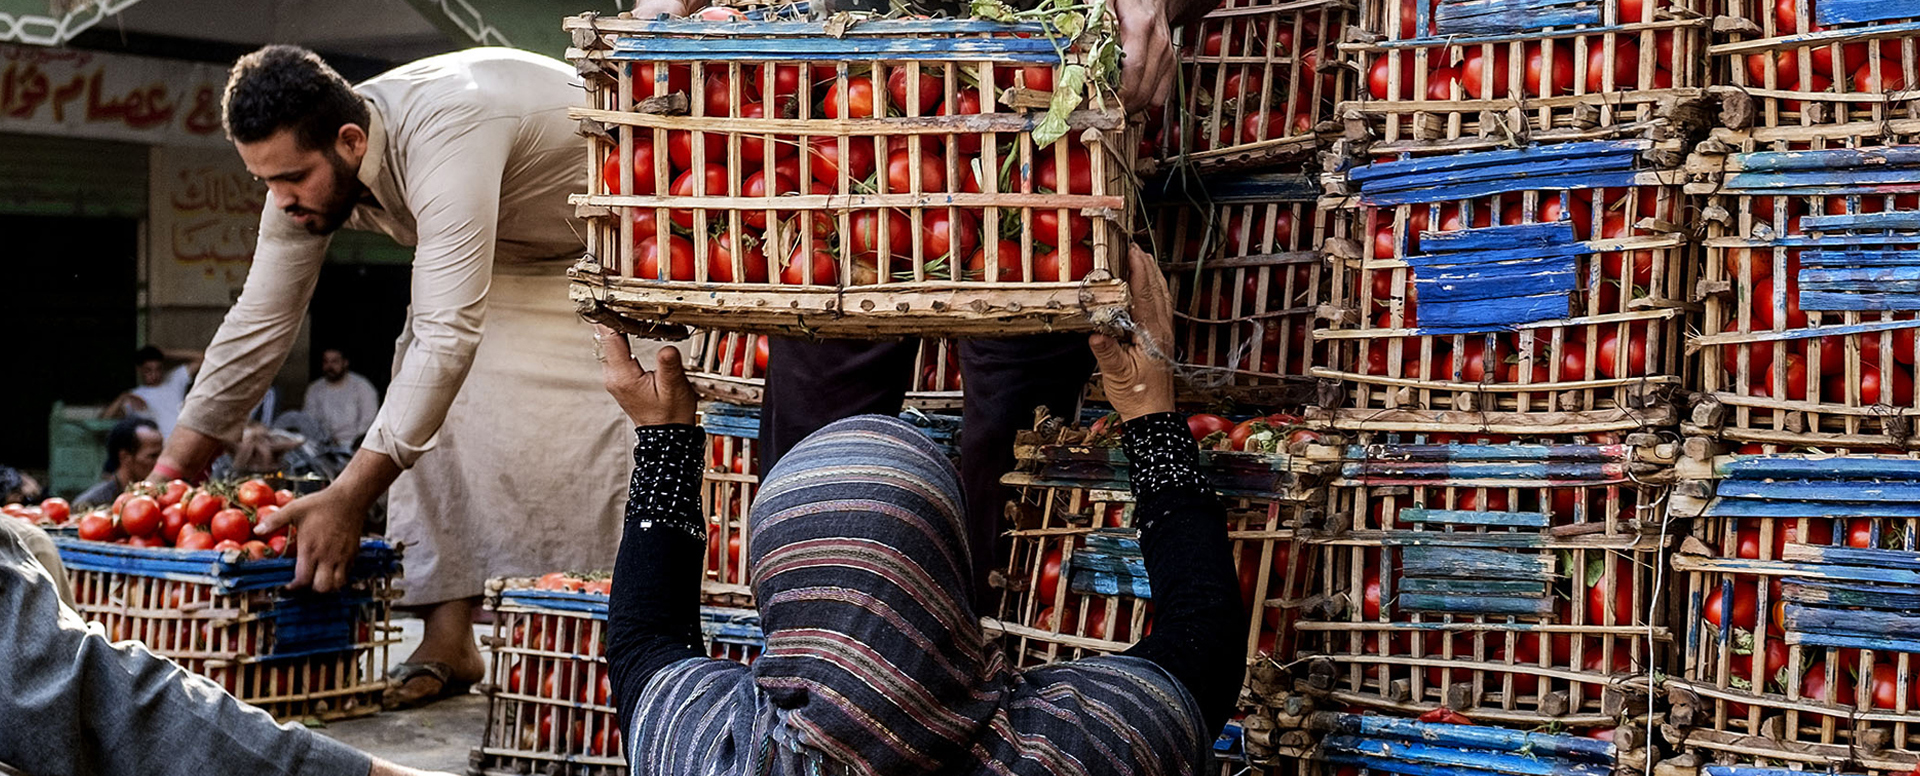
{"x": 51, "y": 512}
{"x": 1257, "y": 100}
{"x": 1545, "y": 71}
{"x": 1872, "y": 67}
{"x": 1811, "y": 368}
{"x": 1610, "y": 351}
{"x": 950, "y": 241}
{"x": 1277, "y": 432}
{"x": 218, "y": 516}
{"x": 568, "y": 680}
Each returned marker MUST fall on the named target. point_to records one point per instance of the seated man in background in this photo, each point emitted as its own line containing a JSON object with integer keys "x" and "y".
{"x": 162, "y": 391}
{"x": 342, "y": 402}
{"x": 132, "y": 447}
{"x": 96, "y": 707}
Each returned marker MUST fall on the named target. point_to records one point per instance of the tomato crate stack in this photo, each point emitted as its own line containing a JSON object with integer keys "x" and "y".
{"x": 732, "y": 367}
{"x": 1076, "y": 583}
{"x": 732, "y": 478}
{"x": 1257, "y": 85}
{"x": 860, "y": 178}
{"x": 550, "y": 701}
{"x": 1516, "y": 584}
{"x": 1473, "y": 74}
{"x": 1808, "y": 300}
{"x": 229, "y": 618}
{"x": 1804, "y": 69}
{"x": 1242, "y": 260}
{"x": 1800, "y": 590}
{"x": 1531, "y": 290}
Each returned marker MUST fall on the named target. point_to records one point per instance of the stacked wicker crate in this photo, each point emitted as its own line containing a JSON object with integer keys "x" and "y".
{"x": 230, "y": 619}
{"x": 1797, "y": 587}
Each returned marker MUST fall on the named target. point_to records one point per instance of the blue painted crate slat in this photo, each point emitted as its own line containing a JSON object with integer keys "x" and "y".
{"x": 1469, "y": 517}
{"x": 1506, "y": 184}
{"x": 1827, "y": 592}
{"x": 1853, "y": 622}
{"x": 1829, "y": 159}
{"x": 1534, "y": 235}
{"x": 1901, "y": 279}
{"x": 1424, "y": 471}
{"x": 1474, "y": 159}
{"x": 1446, "y": 540}
{"x": 1415, "y": 753}
{"x": 825, "y": 49}
{"x": 1458, "y": 288}
{"x": 1802, "y": 490}
{"x": 1475, "y": 563}
{"x": 1842, "y": 181}
{"x": 1490, "y": 17}
{"x": 1096, "y": 582}
{"x": 870, "y": 28}
{"x": 1889, "y": 260}
{"x": 1847, "y": 641}
{"x": 1853, "y": 301}
{"x": 1853, "y": 557}
{"x": 1507, "y": 587}
{"x": 1455, "y": 451}
{"x": 1574, "y": 165}
{"x": 1898, "y": 219}
{"x": 1471, "y": 603}
{"x": 1493, "y": 315}
{"x": 1496, "y": 263}
{"x": 208, "y": 567}
{"x": 1477, "y": 737}
{"x": 1800, "y": 467}
{"x": 1749, "y": 508}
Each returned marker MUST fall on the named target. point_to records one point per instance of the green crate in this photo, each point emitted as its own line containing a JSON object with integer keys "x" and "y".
{"x": 76, "y": 446}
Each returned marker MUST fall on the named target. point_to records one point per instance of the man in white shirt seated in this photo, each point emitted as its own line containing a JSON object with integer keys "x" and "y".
{"x": 162, "y": 391}
{"x": 342, "y": 402}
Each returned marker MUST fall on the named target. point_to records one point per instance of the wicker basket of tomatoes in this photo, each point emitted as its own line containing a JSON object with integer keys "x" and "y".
{"x": 731, "y": 367}
{"x": 1514, "y": 583}
{"x": 1801, "y": 69}
{"x": 1800, "y": 593}
{"x": 1469, "y": 74}
{"x": 166, "y": 566}
{"x": 1536, "y": 290}
{"x": 1243, "y": 263}
{"x": 1076, "y": 581}
{"x": 1808, "y": 320}
{"x": 550, "y": 701}
{"x": 859, "y": 178}
{"x": 1258, "y": 83}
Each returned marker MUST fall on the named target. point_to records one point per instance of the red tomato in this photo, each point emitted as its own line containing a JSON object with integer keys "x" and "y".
{"x": 140, "y": 516}
{"x": 1204, "y": 425}
{"x": 1037, "y": 77}
{"x": 256, "y": 550}
{"x": 1635, "y": 362}
{"x": 858, "y": 97}
{"x": 279, "y": 545}
{"x": 97, "y": 527}
{"x": 1079, "y": 173}
{"x": 1618, "y": 576}
{"x": 203, "y": 505}
{"x": 824, "y": 159}
{"x": 965, "y": 103}
{"x": 679, "y": 258}
{"x": 645, "y": 85}
{"x": 1378, "y": 80}
{"x": 1889, "y": 79}
{"x": 1050, "y": 575}
{"x": 1573, "y": 362}
{"x": 942, "y": 234}
{"x": 225, "y": 545}
{"x": 1792, "y": 369}
{"x": 1813, "y": 686}
{"x": 684, "y": 186}
{"x": 756, "y": 187}
{"x": 231, "y": 525}
{"x": 1860, "y": 532}
{"x": 1004, "y": 261}
{"x": 720, "y": 259}
{"x": 56, "y": 510}
{"x": 643, "y": 172}
{"x": 146, "y": 541}
{"x": 1049, "y": 266}
{"x": 1625, "y": 66}
{"x": 282, "y": 497}
{"x": 1243, "y": 83}
{"x": 1741, "y": 666}
{"x": 784, "y": 81}
{"x": 195, "y": 540}
{"x": 1763, "y": 305}
{"x": 867, "y": 240}
{"x": 1370, "y": 595}
{"x": 929, "y": 96}
{"x": 1046, "y": 226}
{"x": 173, "y": 492}
{"x": 1745, "y": 610}
{"x": 172, "y": 520}
{"x": 825, "y": 269}
{"x": 254, "y": 494}
{"x": 1559, "y": 80}
{"x": 713, "y": 148}
{"x": 753, "y": 148}
{"x": 1474, "y": 76}
{"x": 1871, "y": 387}
{"x": 900, "y": 169}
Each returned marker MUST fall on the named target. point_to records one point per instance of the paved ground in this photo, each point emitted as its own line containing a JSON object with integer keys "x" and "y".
{"x": 438, "y": 737}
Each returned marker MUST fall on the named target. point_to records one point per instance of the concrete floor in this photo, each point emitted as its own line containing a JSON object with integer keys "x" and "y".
{"x": 438, "y": 737}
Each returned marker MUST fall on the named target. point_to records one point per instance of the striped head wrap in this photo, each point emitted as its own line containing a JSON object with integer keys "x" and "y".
{"x": 875, "y": 661}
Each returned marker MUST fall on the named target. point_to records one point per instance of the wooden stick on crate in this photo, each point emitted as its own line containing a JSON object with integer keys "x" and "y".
{"x": 798, "y": 228}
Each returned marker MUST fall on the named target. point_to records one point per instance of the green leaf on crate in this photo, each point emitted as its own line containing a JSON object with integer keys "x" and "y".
{"x": 1742, "y": 641}
{"x": 1069, "y": 24}
{"x": 1740, "y": 683}
{"x": 1066, "y": 97}
{"x": 993, "y": 10}
{"x": 1596, "y": 570}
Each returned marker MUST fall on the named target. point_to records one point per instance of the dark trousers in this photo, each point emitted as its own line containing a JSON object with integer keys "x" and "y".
{"x": 811, "y": 384}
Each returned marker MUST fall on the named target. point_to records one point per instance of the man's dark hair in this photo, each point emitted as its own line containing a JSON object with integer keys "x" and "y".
{"x": 148, "y": 353}
{"x": 124, "y": 438}
{"x": 288, "y": 87}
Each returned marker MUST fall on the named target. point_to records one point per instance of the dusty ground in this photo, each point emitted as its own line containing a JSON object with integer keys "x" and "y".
{"x": 438, "y": 737}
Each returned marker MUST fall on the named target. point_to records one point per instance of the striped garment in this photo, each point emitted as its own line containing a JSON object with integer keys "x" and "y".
{"x": 875, "y": 661}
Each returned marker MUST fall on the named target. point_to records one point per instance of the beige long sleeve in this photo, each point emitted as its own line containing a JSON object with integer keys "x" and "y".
{"x": 254, "y": 338}
{"x": 454, "y": 188}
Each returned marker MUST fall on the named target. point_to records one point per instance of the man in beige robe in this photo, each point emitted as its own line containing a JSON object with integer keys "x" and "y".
{"x": 502, "y": 452}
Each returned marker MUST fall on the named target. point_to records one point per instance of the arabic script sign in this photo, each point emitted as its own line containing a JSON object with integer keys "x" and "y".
{"x": 74, "y": 93}
{"x": 203, "y": 217}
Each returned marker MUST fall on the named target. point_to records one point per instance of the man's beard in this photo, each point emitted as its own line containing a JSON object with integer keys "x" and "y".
{"x": 339, "y": 208}
{"x": 334, "y": 377}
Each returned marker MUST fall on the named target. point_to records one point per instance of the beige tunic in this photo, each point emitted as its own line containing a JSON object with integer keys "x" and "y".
{"x": 516, "y": 456}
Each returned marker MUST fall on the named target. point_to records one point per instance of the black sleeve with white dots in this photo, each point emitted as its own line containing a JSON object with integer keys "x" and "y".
{"x": 665, "y": 491}
{"x": 1162, "y": 455}
{"x": 653, "y": 614}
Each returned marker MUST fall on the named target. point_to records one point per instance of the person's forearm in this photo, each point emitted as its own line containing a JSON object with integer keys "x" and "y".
{"x": 187, "y": 453}
{"x": 1199, "y": 620}
{"x": 653, "y": 613}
